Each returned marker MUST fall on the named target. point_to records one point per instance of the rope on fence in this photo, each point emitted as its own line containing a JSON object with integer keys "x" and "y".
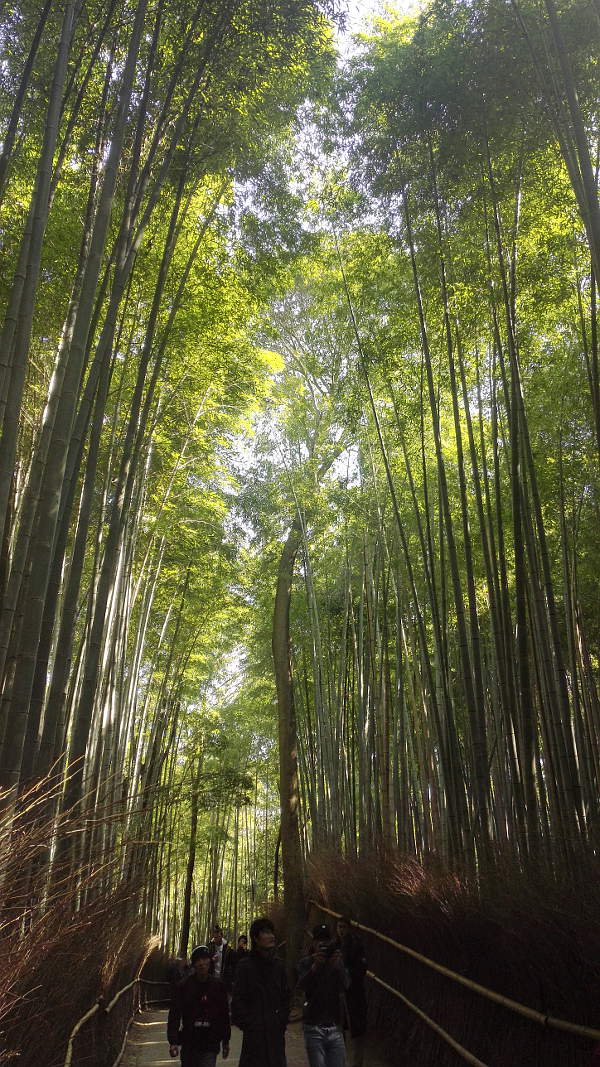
{"x": 467, "y": 1056}
{"x": 506, "y": 1002}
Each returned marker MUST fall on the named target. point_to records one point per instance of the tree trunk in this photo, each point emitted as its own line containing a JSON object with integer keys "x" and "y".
{"x": 293, "y": 874}
{"x": 189, "y": 874}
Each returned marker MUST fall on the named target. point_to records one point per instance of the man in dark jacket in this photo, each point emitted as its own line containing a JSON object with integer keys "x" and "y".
{"x": 355, "y": 962}
{"x": 233, "y": 958}
{"x": 199, "y": 1015}
{"x": 261, "y": 1000}
{"x": 324, "y": 980}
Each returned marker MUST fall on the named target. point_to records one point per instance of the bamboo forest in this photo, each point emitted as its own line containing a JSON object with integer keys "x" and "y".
{"x": 300, "y": 515}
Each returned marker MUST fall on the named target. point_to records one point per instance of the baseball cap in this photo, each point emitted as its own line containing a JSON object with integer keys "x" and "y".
{"x": 199, "y": 952}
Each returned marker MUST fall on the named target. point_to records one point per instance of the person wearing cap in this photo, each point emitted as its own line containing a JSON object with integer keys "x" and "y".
{"x": 355, "y": 962}
{"x": 198, "y": 1021}
{"x": 324, "y": 980}
{"x": 260, "y": 1005}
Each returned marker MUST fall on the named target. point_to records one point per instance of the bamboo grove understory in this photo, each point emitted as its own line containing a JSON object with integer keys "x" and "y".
{"x": 299, "y": 370}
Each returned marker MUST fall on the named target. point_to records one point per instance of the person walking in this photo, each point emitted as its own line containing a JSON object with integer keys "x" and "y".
{"x": 260, "y": 1004}
{"x": 324, "y": 981}
{"x": 232, "y": 960}
{"x": 355, "y": 962}
{"x": 219, "y": 950}
{"x": 198, "y": 1023}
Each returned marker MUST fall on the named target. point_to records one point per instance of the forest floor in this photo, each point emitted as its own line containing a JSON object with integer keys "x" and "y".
{"x": 147, "y": 1045}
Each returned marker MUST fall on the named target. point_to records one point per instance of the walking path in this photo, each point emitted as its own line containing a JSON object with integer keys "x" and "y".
{"x": 147, "y": 1045}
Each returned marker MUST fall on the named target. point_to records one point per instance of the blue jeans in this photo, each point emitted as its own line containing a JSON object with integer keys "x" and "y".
{"x": 325, "y": 1046}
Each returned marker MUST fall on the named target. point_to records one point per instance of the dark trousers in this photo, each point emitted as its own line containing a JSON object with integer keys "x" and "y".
{"x": 193, "y": 1057}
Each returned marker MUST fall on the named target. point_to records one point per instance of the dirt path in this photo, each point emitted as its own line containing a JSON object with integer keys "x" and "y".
{"x": 147, "y": 1045}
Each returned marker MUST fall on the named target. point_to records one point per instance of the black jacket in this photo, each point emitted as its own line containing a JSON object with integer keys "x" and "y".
{"x": 260, "y": 1007}
{"x": 199, "y": 1014}
{"x": 323, "y": 990}
{"x": 233, "y": 958}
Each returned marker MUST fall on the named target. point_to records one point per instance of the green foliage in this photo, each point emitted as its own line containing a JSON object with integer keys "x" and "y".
{"x": 389, "y": 255}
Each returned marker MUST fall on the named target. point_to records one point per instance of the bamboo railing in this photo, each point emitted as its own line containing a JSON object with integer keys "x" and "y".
{"x": 538, "y": 1017}
{"x": 106, "y": 1009}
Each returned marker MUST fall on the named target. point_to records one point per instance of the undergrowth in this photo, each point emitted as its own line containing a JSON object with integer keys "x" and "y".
{"x": 532, "y": 936}
{"x": 67, "y": 938}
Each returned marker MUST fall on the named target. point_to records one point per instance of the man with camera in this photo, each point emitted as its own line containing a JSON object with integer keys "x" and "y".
{"x": 324, "y": 980}
{"x": 355, "y": 962}
{"x": 198, "y": 1023}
